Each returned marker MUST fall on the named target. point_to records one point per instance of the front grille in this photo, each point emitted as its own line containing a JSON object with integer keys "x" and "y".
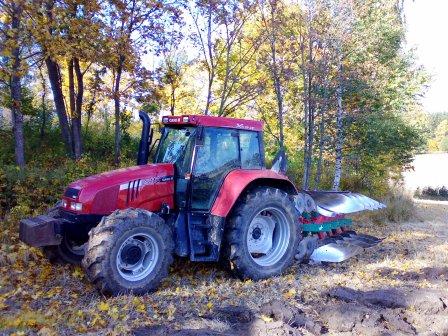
{"x": 72, "y": 193}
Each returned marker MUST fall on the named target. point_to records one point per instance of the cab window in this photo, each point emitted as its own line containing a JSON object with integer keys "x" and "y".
{"x": 250, "y": 150}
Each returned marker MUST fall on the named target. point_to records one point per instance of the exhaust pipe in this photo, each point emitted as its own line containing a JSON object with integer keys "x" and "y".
{"x": 145, "y": 140}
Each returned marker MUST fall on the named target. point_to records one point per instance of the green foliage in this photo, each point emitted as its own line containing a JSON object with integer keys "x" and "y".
{"x": 49, "y": 170}
{"x": 438, "y": 132}
{"x": 26, "y": 103}
{"x": 355, "y": 48}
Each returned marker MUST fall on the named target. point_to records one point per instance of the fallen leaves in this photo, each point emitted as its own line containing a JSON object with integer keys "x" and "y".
{"x": 78, "y": 273}
{"x": 291, "y": 293}
{"x": 103, "y": 306}
{"x": 25, "y": 319}
{"x": 59, "y": 299}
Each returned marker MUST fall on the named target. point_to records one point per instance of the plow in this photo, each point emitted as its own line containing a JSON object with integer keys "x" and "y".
{"x": 328, "y": 234}
{"x": 208, "y": 196}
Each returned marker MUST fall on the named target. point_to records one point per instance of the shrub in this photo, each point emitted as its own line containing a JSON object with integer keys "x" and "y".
{"x": 439, "y": 193}
{"x": 400, "y": 207}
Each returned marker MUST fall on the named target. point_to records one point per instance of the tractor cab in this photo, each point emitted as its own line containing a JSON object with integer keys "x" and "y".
{"x": 204, "y": 150}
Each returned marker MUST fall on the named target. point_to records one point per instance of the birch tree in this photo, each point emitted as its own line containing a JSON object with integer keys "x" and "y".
{"x": 343, "y": 22}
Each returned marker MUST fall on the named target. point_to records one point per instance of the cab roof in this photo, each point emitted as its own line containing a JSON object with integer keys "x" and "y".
{"x": 202, "y": 120}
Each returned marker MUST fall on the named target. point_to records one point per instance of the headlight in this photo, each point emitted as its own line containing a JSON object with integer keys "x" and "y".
{"x": 64, "y": 203}
{"x": 76, "y": 206}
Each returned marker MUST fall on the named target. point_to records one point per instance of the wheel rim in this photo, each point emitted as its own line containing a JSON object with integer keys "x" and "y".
{"x": 268, "y": 236}
{"x": 137, "y": 257}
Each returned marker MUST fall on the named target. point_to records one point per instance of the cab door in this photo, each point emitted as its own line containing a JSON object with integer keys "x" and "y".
{"x": 217, "y": 155}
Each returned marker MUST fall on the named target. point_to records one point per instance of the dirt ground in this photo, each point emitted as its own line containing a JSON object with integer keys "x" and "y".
{"x": 398, "y": 287}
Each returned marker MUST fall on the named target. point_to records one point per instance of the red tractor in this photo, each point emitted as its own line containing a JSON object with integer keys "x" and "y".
{"x": 207, "y": 196}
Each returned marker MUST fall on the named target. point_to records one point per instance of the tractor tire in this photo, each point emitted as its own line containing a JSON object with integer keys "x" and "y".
{"x": 129, "y": 251}
{"x": 262, "y": 212}
{"x": 67, "y": 251}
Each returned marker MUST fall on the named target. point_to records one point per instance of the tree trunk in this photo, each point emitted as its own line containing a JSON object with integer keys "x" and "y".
{"x": 322, "y": 114}
{"x": 309, "y": 129}
{"x": 318, "y": 176}
{"x": 16, "y": 90}
{"x": 226, "y": 78}
{"x": 209, "y": 94}
{"x": 339, "y": 130}
{"x": 211, "y": 74}
{"x": 56, "y": 87}
{"x": 276, "y": 79}
{"x": 76, "y": 119}
{"x": 310, "y": 140}
{"x": 55, "y": 78}
{"x": 117, "y": 145}
{"x": 43, "y": 122}
{"x": 72, "y": 106}
{"x": 305, "y": 110}
{"x": 173, "y": 99}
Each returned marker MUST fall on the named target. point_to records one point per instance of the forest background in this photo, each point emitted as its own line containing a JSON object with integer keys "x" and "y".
{"x": 334, "y": 82}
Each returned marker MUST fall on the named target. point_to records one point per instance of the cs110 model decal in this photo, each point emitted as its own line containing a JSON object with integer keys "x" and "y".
{"x": 137, "y": 184}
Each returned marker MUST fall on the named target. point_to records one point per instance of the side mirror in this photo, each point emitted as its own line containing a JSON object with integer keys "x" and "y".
{"x": 280, "y": 163}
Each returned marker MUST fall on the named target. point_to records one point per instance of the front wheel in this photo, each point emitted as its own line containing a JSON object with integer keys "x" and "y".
{"x": 130, "y": 251}
{"x": 69, "y": 251}
{"x": 262, "y": 234}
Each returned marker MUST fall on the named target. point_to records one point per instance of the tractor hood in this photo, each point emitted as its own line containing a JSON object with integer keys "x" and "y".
{"x": 138, "y": 186}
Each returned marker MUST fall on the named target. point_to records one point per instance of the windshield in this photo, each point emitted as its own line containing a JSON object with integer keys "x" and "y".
{"x": 173, "y": 145}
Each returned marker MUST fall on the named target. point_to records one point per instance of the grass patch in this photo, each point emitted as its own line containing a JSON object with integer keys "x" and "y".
{"x": 400, "y": 207}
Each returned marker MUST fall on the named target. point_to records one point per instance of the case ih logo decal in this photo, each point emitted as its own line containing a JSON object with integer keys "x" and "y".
{"x": 173, "y": 120}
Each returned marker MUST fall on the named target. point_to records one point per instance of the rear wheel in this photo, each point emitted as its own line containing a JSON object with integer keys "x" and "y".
{"x": 130, "y": 251}
{"x": 262, "y": 234}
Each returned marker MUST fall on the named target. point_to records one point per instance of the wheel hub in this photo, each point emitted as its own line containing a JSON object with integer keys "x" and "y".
{"x": 261, "y": 234}
{"x": 268, "y": 236}
{"x": 137, "y": 257}
{"x": 256, "y": 233}
{"x": 131, "y": 254}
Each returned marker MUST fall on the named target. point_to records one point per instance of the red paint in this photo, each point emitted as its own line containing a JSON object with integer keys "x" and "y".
{"x": 199, "y": 120}
{"x": 133, "y": 187}
{"x": 234, "y": 184}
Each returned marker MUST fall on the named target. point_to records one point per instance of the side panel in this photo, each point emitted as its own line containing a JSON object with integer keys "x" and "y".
{"x": 147, "y": 193}
{"x": 235, "y": 183}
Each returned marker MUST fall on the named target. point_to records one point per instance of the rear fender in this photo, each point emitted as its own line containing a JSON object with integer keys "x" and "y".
{"x": 239, "y": 181}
